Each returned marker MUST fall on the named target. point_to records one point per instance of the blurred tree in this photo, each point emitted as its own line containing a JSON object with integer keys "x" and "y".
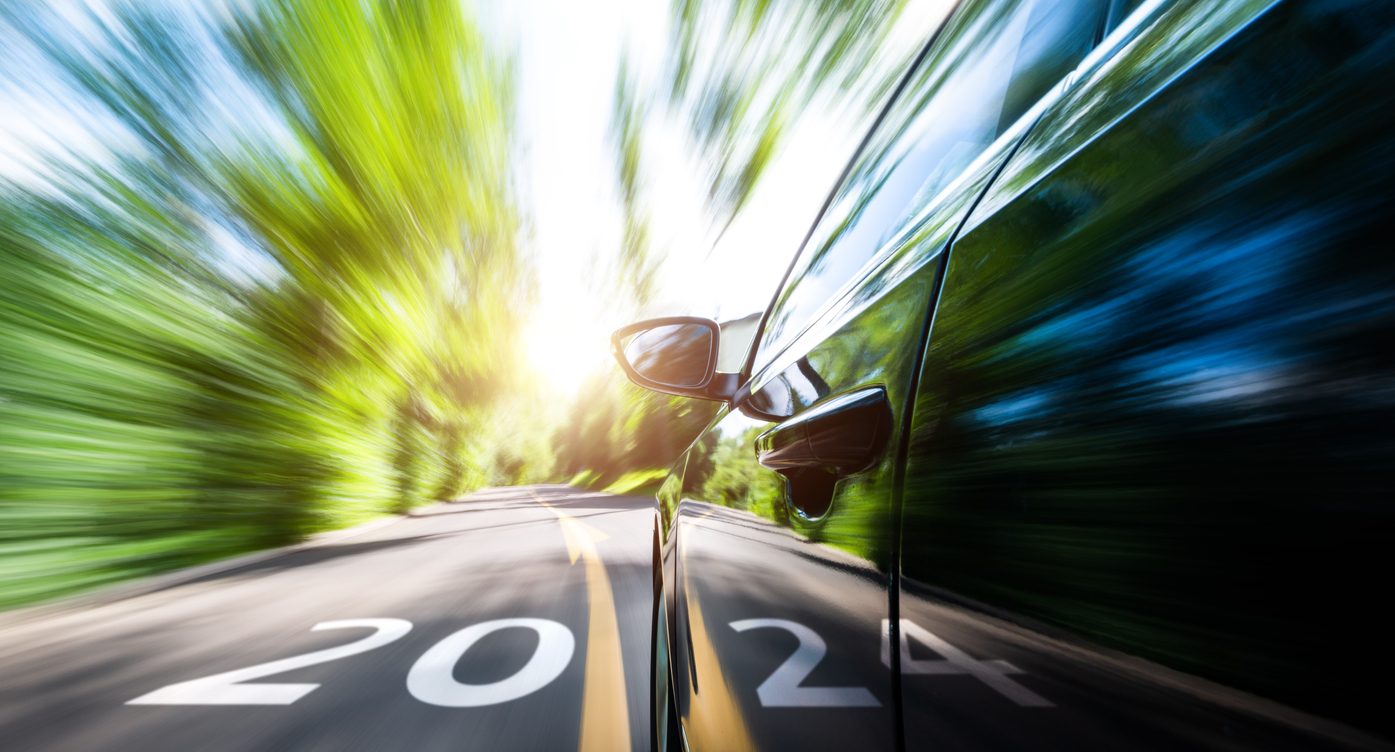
{"x": 742, "y": 72}
{"x": 638, "y": 269}
{"x": 282, "y": 297}
{"x": 393, "y": 213}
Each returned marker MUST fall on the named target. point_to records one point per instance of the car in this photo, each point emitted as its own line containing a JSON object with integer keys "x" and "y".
{"x": 1070, "y": 425}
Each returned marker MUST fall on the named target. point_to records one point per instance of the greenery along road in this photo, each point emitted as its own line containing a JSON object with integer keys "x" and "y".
{"x": 270, "y": 277}
{"x": 277, "y": 304}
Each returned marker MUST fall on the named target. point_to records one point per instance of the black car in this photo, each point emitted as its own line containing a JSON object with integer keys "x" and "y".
{"x": 1070, "y": 426}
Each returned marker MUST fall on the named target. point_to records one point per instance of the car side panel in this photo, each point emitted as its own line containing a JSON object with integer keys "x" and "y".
{"x": 744, "y": 554}
{"x": 1154, "y": 419}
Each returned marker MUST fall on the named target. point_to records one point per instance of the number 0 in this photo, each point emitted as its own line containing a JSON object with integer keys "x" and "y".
{"x": 431, "y": 680}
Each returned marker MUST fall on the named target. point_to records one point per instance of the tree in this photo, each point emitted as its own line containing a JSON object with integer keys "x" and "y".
{"x": 742, "y": 72}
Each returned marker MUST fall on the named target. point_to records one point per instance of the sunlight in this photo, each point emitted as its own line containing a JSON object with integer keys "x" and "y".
{"x": 564, "y": 347}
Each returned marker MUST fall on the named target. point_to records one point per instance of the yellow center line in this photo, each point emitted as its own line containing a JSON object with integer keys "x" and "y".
{"x": 605, "y": 719}
{"x": 715, "y": 720}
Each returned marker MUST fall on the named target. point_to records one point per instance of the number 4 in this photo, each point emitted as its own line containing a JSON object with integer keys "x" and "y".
{"x": 956, "y": 661}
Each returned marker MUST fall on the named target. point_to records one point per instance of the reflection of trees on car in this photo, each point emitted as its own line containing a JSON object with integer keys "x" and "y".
{"x": 733, "y": 478}
{"x": 1140, "y": 402}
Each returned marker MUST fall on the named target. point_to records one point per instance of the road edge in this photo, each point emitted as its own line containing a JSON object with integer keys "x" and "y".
{"x": 122, "y": 591}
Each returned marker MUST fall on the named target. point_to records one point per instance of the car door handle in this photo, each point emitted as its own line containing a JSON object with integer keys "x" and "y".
{"x": 844, "y": 434}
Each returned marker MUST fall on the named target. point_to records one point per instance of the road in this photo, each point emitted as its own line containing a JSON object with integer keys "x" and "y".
{"x": 422, "y": 595}
{"x": 518, "y": 619}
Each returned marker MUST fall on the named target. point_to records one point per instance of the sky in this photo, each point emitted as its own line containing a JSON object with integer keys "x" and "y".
{"x": 568, "y": 54}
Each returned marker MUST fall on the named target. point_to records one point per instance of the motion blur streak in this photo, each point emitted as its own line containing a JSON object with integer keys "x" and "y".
{"x": 274, "y": 296}
{"x": 1067, "y": 427}
{"x": 262, "y": 275}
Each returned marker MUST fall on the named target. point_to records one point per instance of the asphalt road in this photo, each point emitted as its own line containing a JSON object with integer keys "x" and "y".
{"x": 515, "y": 619}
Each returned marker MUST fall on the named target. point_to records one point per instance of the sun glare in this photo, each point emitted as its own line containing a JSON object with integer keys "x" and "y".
{"x": 565, "y": 350}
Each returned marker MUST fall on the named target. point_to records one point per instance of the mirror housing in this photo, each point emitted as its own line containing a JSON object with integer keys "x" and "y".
{"x": 674, "y": 348}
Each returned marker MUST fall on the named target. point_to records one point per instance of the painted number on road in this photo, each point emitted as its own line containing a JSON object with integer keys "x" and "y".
{"x": 431, "y": 681}
{"x": 227, "y": 688}
{"x": 955, "y": 661}
{"x": 782, "y": 689}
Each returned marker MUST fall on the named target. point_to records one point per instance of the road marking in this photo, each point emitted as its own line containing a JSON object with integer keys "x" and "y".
{"x": 228, "y": 688}
{"x": 782, "y": 689}
{"x": 431, "y": 679}
{"x": 955, "y": 661}
{"x": 714, "y": 717}
{"x": 605, "y": 719}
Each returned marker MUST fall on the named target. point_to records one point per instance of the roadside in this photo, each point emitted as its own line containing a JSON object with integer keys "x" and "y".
{"x": 134, "y": 588}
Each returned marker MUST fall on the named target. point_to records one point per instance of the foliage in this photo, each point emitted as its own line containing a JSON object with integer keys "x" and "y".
{"x": 638, "y": 270}
{"x": 615, "y": 429}
{"x": 742, "y": 72}
{"x": 638, "y": 482}
{"x": 278, "y": 300}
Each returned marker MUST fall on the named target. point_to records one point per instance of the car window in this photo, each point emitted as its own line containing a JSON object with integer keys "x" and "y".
{"x": 992, "y": 62}
{"x": 737, "y": 335}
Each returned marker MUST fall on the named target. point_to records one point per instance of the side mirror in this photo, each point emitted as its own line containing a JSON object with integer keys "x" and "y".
{"x": 674, "y": 355}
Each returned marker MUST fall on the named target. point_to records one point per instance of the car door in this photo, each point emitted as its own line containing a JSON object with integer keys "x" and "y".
{"x": 779, "y": 568}
{"x": 1148, "y": 491}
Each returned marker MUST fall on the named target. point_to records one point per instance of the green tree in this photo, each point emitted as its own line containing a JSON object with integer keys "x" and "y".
{"x": 281, "y": 298}
{"x": 742, "y": 72}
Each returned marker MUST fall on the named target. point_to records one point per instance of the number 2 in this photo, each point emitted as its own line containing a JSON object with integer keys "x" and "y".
{"x": 227, "y": 688}
{"x": 782, "y": 690}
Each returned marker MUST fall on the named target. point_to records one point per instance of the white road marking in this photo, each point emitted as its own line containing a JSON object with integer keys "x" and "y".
{"x": 956, "y": 661}
{"x": 226, "y": 689}
{"x": 431, "y": 680}
{"x": 782, "y": 690}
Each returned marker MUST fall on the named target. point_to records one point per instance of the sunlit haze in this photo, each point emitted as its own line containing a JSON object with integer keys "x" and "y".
{"x": 568, "y": 57}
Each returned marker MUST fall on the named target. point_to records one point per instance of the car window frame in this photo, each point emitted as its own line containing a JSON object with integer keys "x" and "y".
{"x": 1105, "y": 32}
{"x": 746, "y": 374}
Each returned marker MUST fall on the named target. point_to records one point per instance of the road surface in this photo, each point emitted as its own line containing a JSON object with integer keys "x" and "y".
{"x": 516, "y": 619}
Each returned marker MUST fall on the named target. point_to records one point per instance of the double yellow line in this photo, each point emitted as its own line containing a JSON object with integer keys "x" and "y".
{"x": 605, "y": 717}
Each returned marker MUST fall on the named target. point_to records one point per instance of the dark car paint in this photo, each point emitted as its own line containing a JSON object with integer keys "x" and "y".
{"x": 1215, "y": 179}
{"x": 757, "y": 560}
{"x": 1151, "y": 411}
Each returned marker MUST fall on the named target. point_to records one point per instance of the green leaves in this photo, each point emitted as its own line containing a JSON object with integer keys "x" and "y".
{"x": 638, "y": 269}
{"x": 282, "y": 300}
{"x": 743, "y": 71}
{"x": 399, "y": 170}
